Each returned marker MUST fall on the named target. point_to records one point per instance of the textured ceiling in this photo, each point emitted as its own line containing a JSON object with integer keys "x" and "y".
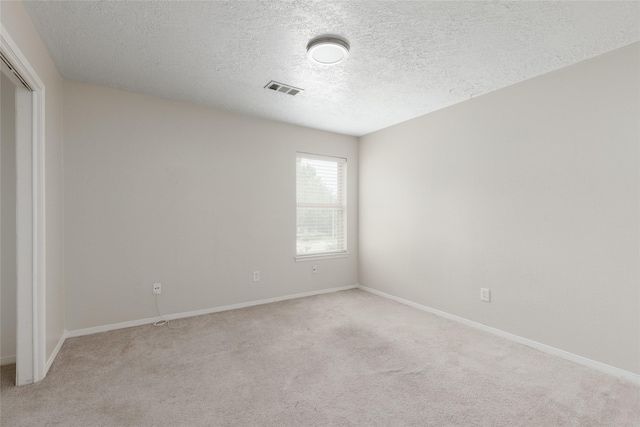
{"x": 407, "y": 58}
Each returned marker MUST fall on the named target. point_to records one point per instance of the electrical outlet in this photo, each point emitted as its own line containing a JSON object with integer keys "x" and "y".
{"x": 485, "y": 294}
{"x": 157, "y": 288}
{"x": 314, "y": 269}
{"x": 256, "y": 276}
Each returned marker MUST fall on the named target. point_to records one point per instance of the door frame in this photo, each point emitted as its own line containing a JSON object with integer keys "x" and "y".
{"x": 31, "y": 359}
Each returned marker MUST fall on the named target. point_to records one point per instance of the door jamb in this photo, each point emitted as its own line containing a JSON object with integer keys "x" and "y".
{"x": 36, "y": 278}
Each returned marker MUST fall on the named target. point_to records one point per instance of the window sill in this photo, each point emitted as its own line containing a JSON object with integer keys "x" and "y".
{"x": 301, "y": 258}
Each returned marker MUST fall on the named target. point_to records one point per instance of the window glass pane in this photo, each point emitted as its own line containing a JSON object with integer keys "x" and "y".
{"x": 321, "y": 205}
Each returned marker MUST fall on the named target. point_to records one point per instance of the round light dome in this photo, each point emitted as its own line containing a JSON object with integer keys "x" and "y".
{"x": 328, "y": 50}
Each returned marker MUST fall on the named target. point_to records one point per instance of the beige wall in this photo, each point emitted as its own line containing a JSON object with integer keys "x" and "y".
{"x": 531, "y": 191}
{"x": 194, "y": 198}
{"x": 8, "y": 219}
{"x": 15, "y": 19}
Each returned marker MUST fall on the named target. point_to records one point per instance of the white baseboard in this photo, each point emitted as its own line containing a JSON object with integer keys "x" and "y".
{"x": 55, "y": 352}
{"x": 599, "y": 366}
{"x": 147, "y": 321}
{"x": 8, "y": 360}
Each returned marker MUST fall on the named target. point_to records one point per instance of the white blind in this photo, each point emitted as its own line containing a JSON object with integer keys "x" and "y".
{"x": 321, "y": 204}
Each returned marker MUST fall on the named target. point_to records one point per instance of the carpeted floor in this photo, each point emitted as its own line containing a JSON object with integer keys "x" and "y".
{"x": 343, "y": 359}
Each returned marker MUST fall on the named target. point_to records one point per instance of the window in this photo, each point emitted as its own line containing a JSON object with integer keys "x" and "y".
{"x": 321, "y": 201}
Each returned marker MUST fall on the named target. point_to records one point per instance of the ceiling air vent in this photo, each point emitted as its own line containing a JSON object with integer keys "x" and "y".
{"x": 280, "y": 87}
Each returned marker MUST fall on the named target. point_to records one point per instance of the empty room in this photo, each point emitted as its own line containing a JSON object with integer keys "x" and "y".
{"x": 320, "y": 213}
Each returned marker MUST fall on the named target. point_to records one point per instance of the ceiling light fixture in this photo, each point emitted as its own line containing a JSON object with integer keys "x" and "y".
{"x": 328, "y": 50}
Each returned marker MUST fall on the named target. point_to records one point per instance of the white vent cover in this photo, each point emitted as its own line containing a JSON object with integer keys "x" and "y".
{"x": 281, "y": 87}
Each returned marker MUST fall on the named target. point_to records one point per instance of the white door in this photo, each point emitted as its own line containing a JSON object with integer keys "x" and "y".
{"x": 31, "y": 363}
{"x": 21, "y": 117}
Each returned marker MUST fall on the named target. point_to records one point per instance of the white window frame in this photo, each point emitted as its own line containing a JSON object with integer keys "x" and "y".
{"x": 341, "y": 253}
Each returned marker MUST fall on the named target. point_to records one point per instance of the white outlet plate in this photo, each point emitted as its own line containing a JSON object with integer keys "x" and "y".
{"x": 314, "y": 269}
{"x": 157, "y": 288}
{"x": 485, "y": 294}
{"x": 256, "y": 276}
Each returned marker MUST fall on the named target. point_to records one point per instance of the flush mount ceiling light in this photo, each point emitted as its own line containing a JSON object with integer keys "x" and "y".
{"x": 328, "y": 50}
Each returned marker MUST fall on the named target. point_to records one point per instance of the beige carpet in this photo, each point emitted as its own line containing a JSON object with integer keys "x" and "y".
{"x": 343, "y": 359}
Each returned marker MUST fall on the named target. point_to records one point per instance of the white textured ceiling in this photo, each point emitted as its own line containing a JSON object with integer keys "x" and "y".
{"x": 407, "y": 58}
